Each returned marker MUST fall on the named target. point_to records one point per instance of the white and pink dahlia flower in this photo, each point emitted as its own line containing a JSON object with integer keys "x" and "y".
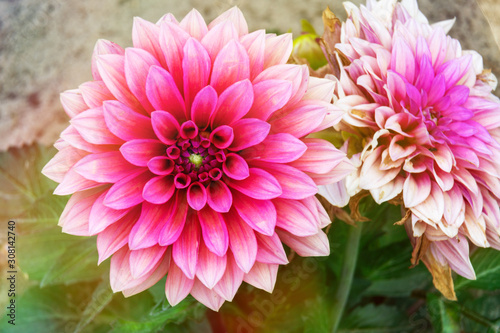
{"x": 429, "y": 125}
{"x": 188, "y": 157}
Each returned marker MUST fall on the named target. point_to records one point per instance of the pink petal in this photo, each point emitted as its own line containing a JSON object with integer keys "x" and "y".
{"x": 103, "y": 47}
{"x": 402, "y": 59}
{"x": 165, "y": 126}
{"x": 258, "y": 185}
{"x": 371, "y": 175}
{"x": 211, "y": 267}
{"x": 242, "y": 241}
{"x": 194, "y": 24}
{"x": 196, "y": 67}
{"x": 164, "y": 94}
{"x": 248, "y": 132}
{"x": 127, "y": 192}
{"x": 115, "y": 236}
{"x": 94, "y": 93}
{"x": 172, "y": 40}
{"x": 320, "y": 157}
{"x": 270, "y": 96}
{"x": 119, "y": 269}
{"x": 278, "y": 50}
{"x": 235, "y": 167}
{"x": 147, "y": 281}
{"x": 270, "y": 250}
{"x": 301, "y": 120}
{"x": 140, "y": 151}
{"x": 92, "y": 127}
{"x": 219, "y": 197}
{"x": 295, "y": 218}
{"x": 75, "y": 216}
{"x": 206, "y": 296}
{"x": 230, "y": 66}
{"x": 186, "y": 248}
{"x": 143, "y": 261}
{"x": 431, "y": 209}
{"x": 214, "y": 231}
{"x": 72, "y": 137}
{"x": 101, "y": 216}
{"x": 108, "y": 167}
{"x": 310, "y": 246}
{"x": 137, "y": 65}
{"x": 230, "y": 281}
{"x": 146, "y": 36}
{"x": 222, "y": 136}
{"x": 112, "y": 70}
{"x": 178, "y": 286}
{"x": 73, "y": 102}
{"x": 60, "y": 164}
{"x": 233, "y": 104}
{"x": 197, "y": 196}
{"x": 203, "y": 107}
{"x": 255, "y": 43}
{"x": 262, "y": 276}
{"x": 258, "y": 214}
{"x": 235, "y": 16}
{"x": 217, "y": 37}
{"x": 175, "y": 224}
{"x": 146, "y": 231}
{"x": 159, "y": 190}
{"x": 125, "y": 123}
{"x": 74, "y": 182}
{"x": 456, "y": 253}
{"x": 276, "y": 148}
{"x": 417, "y": 188}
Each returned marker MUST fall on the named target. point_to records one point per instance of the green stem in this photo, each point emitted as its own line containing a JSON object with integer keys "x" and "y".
{"x": 347, "y": 274}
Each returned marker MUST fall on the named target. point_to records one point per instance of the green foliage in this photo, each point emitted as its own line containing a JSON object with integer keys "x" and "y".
{"x": 61, "y": 288}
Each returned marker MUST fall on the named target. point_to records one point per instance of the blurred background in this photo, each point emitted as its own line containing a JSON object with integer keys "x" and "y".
{"x": 46, "y": 46}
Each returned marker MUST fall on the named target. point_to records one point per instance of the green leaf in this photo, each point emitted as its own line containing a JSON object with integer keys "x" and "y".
{"x": 486, "y": 263}
{"x": 100, "y": 298}
{"x": 374, "y": 317}
{"x": 443, "y": 317}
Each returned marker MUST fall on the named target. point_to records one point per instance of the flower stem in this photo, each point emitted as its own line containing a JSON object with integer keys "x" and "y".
{"x": 347, "y": 274}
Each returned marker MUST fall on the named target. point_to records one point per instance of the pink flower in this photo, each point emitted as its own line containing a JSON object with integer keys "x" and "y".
{"x": 425, "y": 109}
{"x": 188, "y": 154}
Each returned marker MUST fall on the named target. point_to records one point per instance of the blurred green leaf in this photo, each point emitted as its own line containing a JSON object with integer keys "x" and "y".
{"x": 374, "y": 317}
{"x": 443, "y": 317}
{"x": 307, "y": 27}
{"x": 101, "y": 297}
{"x": 486, "y": 263}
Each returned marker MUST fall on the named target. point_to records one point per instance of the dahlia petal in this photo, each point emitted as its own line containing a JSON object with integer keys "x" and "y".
{"x": 301, "y": 120}
{"x": 159, "y": 190}
{"x": 94, "y": 93}
{"x": 211, "y": 267}
{"x": 320, "y": 89}
{"x": 278, "y": 49}
{"x": 172, "y": 41}
{"x": 242, "y": 241}
{"x": 235, "y": 16}
{"x": 276, "y": 148}
{"x": 108, "y": 167}
{"x": 74, "y": 182}
{"x": 388, "y": 191}
{"x": 295, "y": 218}
{"x": 125, "y": 123}
{"x": 146, "y": 36}
{"x": 194, "y": 24}
{"x": 219, "y": 197}
{"x": 92, "y": 127}
{"x": 143, "y": 261}
{"x": 371, "y": 176}
{"x": 206, "y": 296}
{"x": 398, "y": 149}
{"x": 235, "y": 167}
{"x": 230, "y": 66}
{"x": 165, "y": 126}
{"x": 456, "y": 252}
{"x": 248, "y": 132}
{"x": 175, "y": 224}
{"x": 270, "y": 250}
{"x": 178, "y": 286}
{"x": 255, "y": 44}
{"x": 185, "y": 250}
{"x": 323, "y": 217}
{"x": 140, "y": 151}
{"x": 294, "y": 183}
{"x": 336, "y": 194}
{"x": 127, "y": 192}
{"x": 320, "y": 157}
{"x": 101, "y": 216}
{"x": 116, "y": 235}
{"x": 137, "y": 65}
{"x": 102, "y": 47}
{"x": 163, "y": 93}
{"x": 75, "y": 216}
{"x": 258, "y": 185}
{"x": 475, "y": 229}
{"x": 218, "y": 36}
{"x": 454, "y": 206}
{"x": 262, "y": 276}
{"x": 432, "y": 208}
{"x": 146, "y": 282}
{"x": 203, "y": 106}
{"x": 214, "y": 231}
{"x": 73, "y": 102}
{"x": 310, "y": 246}
{"x": 258, "y": 214}
{"x": 196, "y": 68}
{"x": 119, "y": 269}
{"x": 417, "y": 187}
{"x": 402, "y": 60}
{"x": 112, "y": 70}
{"x": 230, "y": 281}
{"x": 60, "y": 164}
{"x": 298, "y": 75}
{"x": 233, "y": 103}
{"x": 71, "y": 137}
{"x": 197, "y": 196}
{"x": 222, "y": 136}
{"x": 146, "y": 231}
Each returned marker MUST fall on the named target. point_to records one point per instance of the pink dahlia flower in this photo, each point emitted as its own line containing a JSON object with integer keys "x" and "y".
{"x": 187, "y": 156}
{"x": 429, "y": 126}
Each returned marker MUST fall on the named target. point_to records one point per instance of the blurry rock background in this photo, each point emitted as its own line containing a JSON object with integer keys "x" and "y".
{"x": 46, "y": 46}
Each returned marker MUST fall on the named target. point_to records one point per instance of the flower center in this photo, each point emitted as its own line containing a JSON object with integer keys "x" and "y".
{"x": 196, "y": 160}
